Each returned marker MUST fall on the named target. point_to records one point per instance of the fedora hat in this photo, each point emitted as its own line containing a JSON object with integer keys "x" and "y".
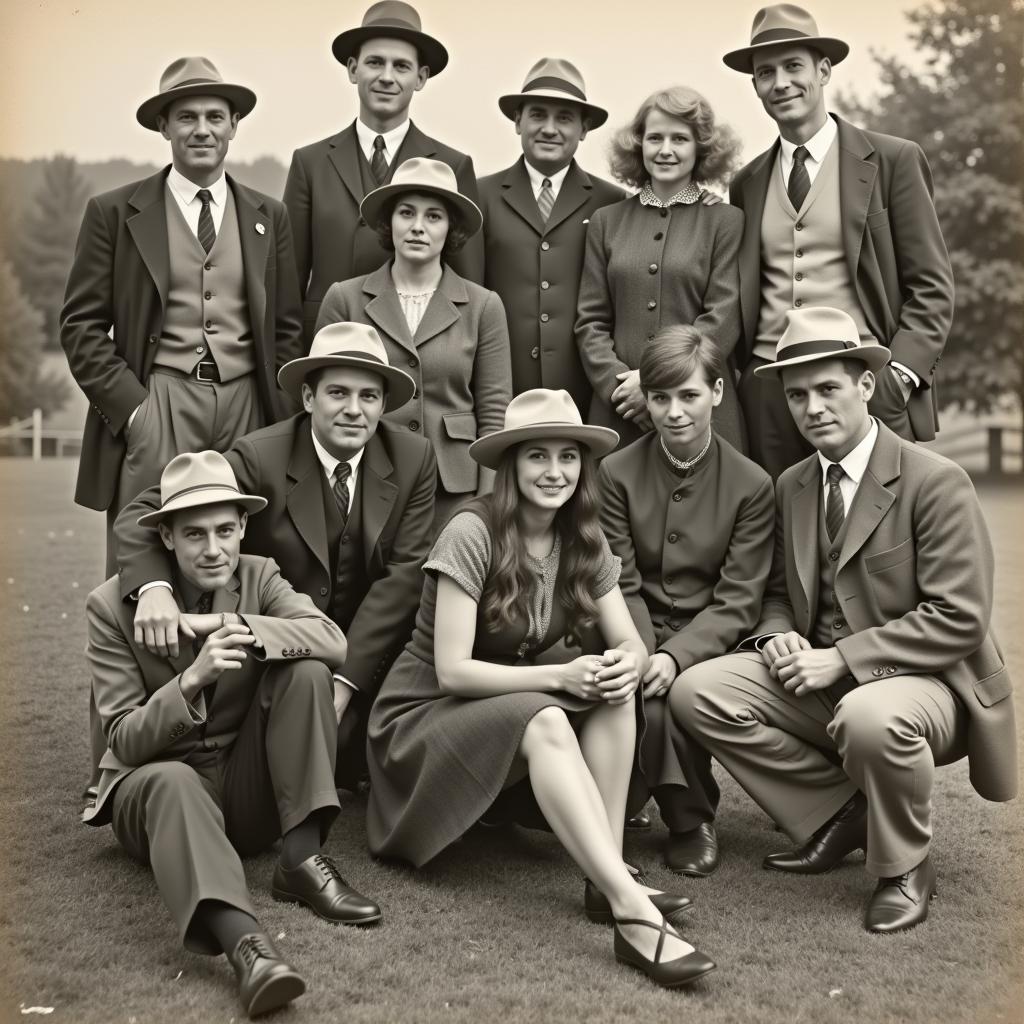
{"x": 348, "y": 344}
{"x": 193, "y": 76}
{"x": 783, "y": 24}
{"x": 553, "y": 78}
{"x": 542, "y": 413}
{"x": 821, "y": 332}
{"x": 396, "y": 20}
{"x": 419, "y": 174}
{"x": 199, "y": 478}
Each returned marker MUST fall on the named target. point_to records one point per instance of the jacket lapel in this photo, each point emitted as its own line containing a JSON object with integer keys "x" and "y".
{"x": 441, "y": 313}
{"x": 384, "y": 309}
{"x": 517, "y": 193}
{"x": 873, "y": 499}
{"x": 856, "y": 180}
{"x": 255, "y": 235}
{"x": 305, "y": 496}
{"x": 575, "y": 191}
{"x": 805, "y": 534}
{"x": 415, "y": 143}
{"x": 343, "y": 152}
{"x": 148, "y": 228}
{"x": 379, "y": 494}
{"x": 755, "y": 192}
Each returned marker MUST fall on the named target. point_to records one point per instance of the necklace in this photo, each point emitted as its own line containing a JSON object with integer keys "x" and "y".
{"x": 686, "y": 463}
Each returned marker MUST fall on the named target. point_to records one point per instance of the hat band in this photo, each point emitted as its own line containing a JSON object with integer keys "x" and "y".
{"x": 773, "y": 35}
{"x": 201, "y": 487}
{"x": 550, "y": 82}
{"x": 814, "y": 348}
{"x": 355, "y": 353}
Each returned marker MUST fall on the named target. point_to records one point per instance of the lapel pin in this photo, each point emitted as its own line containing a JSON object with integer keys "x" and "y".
{"x": 260, "y": 229}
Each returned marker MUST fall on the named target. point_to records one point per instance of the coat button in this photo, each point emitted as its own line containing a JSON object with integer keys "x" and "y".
{"x": 838, "y": 624}
{"x": 200, "y": 350}
{"x": 877, "y": 671}
{"x": 677, "y": 497}
{"x": 833, "y": 556}
{"x": 663, "y": 212}
{"x": 284, "y": 652}
{"x": 668, "y": 581}
{"x": 412, "y": 361}
{"x": 675, "y": 625}
{"x": 545, "y": 285}
{"x": 414, "y": 424}
{"x": 673, "y": 537}
{"x": 653, "y": 268}
{"x": 535, "y": 352}
{"x": 659, "y": 235}
{"x": 545, "y": 246}
{"x": 544, "y": 318}
{"x": 153, "y": 339}
{"x": 652, "y": 304}
{"x": 323, "y": 591}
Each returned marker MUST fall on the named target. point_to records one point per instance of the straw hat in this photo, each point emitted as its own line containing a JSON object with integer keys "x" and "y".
{"x": 781, "y": 25}
{"x": 193, "y": 76}
{"x": 555, "y": 79}
{"x": 392, "y": 19}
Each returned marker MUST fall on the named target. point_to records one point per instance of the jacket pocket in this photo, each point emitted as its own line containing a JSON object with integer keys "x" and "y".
{"x": 891, "y": 557}
{"x": 878, "y": 220}
{"x": 460, "y": 426}
{"x": 994, "y": 688}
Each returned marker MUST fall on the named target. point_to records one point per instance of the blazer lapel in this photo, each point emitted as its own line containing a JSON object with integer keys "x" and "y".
{"x": 305, "y": 501}
{"x": 805, "y": 535}
{"x": 384, "y": 309}
{"x": 344, "y": 154}
{"x": 148, "y": 228}
{"x": 415, "y": 143}
{"x": 517, "y": 192}
{"x": 255, "y": 235}
{"x": 873, "y": 499}
{"x": 575, "y": 191}
{"x": 441, "y": 313}
{"x": 755, "y": 192}
{"x": 856, "y": 180}
{"x": 379, "y": 495}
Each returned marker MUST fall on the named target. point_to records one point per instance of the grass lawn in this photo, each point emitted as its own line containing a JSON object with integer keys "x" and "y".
{"x": 494, "y": 927}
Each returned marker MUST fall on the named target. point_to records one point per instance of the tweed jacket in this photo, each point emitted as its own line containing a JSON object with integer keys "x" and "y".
{"x": 458, "y": 358}
{"x": 535, "y": 267}
{"x": 144, "y": 715}
{"x": 332, "y": 242}
{"x": 397, "y": 479}
{"x": 894, "y": 249}
{"x": 114, "y": 308}
{"x": 914, "y": 581}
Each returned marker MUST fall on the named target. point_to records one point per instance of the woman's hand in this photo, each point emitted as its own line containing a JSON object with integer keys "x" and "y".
{"x": 579, "y": 677}
{"x": 620, "y": 676}
{"x": 660, "y": 675}
{"x": 627, "y": 398}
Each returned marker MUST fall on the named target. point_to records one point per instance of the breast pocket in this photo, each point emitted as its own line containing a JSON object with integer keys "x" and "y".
{"x": 878, "y": 221}
{"x": 893, "y": 577}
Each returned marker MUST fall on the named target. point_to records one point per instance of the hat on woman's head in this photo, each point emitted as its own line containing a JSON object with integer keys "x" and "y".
{"x": 554, "y": 80}
{"x": 433, "y": 177}
{"x": 392, "y": 19}
{"x": 784, "y": 25}
{"x": 541, "y": 413}
{"x": 193, "y": 76}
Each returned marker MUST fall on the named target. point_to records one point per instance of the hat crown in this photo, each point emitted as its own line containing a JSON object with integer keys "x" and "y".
{"x": 556, "y": 73}
{"x": 192, "y": 471}
{"x": 348, "y": 339}
{"x": 786, "y": 20}
{"x": 392, "y": 14}
{"x": 542, "y": 406}
{"x": 189, "y": 71}
{"x": 421, "y": 172}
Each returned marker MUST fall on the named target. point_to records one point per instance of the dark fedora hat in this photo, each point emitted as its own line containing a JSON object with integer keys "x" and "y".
{"x": 396, "y": 20}
{"x": 193, "y": 76}
{"x": 554, "y": 79}
{"x": 783, "y": 24}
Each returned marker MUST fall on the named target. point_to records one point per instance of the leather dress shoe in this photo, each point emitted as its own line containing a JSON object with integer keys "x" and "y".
{"x": 265, "y": 981}
{"x": 639, "y": 822}
{"x": 844, "y": 832}
{"x": 318, "y": 884}
{"x": 666, "y": 973}
{"x": 599, "y": 910}
{"x": 901, "y": 902}
{"x": 694, "y": 852}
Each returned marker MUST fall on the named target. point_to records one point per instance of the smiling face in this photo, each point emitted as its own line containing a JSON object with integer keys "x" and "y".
{"x": 550, "y": 133}
{"x": 547, "y": 472}
{"x": 790, "y": 82}
{"x": 419, "y": 228}
{"x": 669, "y": 152}
{"x": 205, "y": 541}
{"x": 682, "y": 415}
{"x": 386, "y": 74}
{"x": 199, "y": 129}
{"x": 345, "y": 408}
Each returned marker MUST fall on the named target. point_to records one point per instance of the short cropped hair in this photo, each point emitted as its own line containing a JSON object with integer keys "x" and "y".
{"x": 718, "y": 146}
{"x": 672, "y": 357}
{"x": 458, "y": 233}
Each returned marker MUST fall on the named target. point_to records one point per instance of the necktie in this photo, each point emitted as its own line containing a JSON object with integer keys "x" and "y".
{"x": 379, "y": 163}
{"x": 207, "y": 233}
{"x": 545, "y": 200}
{"x": 799, "y": 179}
{"x": 203, "y": 607}
{"x": 341, "y": 475}
{"x": 834, "y": 511}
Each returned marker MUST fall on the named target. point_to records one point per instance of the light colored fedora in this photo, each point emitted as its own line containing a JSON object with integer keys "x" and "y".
{"x": 555, "y": 79}
{"x": 821, "y": 332}
{"x": 199, "y": 478}
{"x": 193, "y": 76}
{"x": 348, "y": 344}
{"x": 541, "y": 413}
{"x": 780, "y": 25}
{"x": 422, "y": 175}
{"x": 392, "y": 19}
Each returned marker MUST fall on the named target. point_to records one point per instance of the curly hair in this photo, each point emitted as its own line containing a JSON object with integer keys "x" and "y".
{"x": 718, "y": 146}
{"x": 458, "y": 233}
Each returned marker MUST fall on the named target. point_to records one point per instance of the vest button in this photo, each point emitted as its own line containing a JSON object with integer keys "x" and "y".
{"x": 799, "y": 276}
{"x": 653, "y": 268}
{"x": 545, "y": 285}
{"x": 535, "y": 352}
{"x": 673, "y": 537}
{"x": 799, "y": 253}
{"x": 200, "y": 350}
{"x": 207, "y": 295}
{"x": 207, "y": 266}
{"x": 650, "y": 337}
{"x": 544, "y": 318}
{"x": 153, "y": 339}
{"x": 545, "y": 246}
{"x": 833, "y": 556}
{"x": 412, "y": 361}
{"x": 209, "y": 323}
{"x": 652, "y": 304}
{"x": 799, "y": 226}
{"x": 323, "y": 591}
{"x": 798, "y": 303}
{"x": 414, "y": 424}
{"x": 659, "y": 235}
{"x": 668, "y": 581}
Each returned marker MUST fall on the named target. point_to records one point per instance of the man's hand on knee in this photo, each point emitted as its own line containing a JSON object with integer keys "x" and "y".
{"x": 782, "y": 644}
{"x": 157, "y": 622}
{"x": 809, "y": 670}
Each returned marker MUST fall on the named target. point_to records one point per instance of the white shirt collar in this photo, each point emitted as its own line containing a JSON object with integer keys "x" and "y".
{"x": 817, "y": 145}
{"x": 537, "y": 178}
{"x": 392, "y": 139}
{"x": 187, "y": 190}
{"x": 329, "y": 462}
{"x": 855, "y": 464}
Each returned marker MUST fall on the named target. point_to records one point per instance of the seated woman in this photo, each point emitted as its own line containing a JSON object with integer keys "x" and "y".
{"x": 663, "y": 256}
{"x": 693, "y": 522}
{"x": 467, "y": 710}
{"x": 447, "y": 333}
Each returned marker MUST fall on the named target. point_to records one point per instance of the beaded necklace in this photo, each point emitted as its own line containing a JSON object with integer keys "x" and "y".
{"x": 686, "y": 463}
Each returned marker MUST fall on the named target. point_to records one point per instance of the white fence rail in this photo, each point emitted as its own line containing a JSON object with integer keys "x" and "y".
{"x": 31, "y": 429}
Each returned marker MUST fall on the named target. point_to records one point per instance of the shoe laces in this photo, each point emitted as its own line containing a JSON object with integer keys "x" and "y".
{"x": 252, "y": 947}
{"x": 329, "y": 868}
{"x": 899, "y": 882}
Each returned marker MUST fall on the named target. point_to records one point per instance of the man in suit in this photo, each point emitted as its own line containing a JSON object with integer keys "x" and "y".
{"x": 388, "y": 58}
{"x": 224, "y": 747}
{"x": 535, "y": 224}
{"x": 355, "y": 547}
{"x": 873, "y": 661}
{"x": 839, "y": 217}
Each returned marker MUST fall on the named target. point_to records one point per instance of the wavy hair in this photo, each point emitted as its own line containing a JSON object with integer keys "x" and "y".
{"x": 718, "y": 146}
{"x": 458, "y": 233}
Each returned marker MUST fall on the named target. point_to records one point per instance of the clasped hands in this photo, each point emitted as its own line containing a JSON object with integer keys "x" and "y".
{"x": 611, "y": 677}
{"x": 628, "y": 399}
{"x": 802, "y": 668}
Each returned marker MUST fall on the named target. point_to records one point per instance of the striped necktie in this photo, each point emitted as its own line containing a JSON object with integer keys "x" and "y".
{"x": 342, "y": 472}
{"x": 203, "y": 607}
{"x": 546, "y": 200}
{"x": 379, "y": 163}
{"x": 799, "y": 179}
{"x": 835, "y": 513}
{"x": 207, "y": 232}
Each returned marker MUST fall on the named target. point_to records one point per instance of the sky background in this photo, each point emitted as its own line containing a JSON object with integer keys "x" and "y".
{"x": 74, "y": 71}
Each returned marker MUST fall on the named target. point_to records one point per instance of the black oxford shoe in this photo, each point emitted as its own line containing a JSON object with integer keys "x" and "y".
{"x": 318, "y": 884}
{"x": 599, "y": 910}
{"x": 694, "y": 852}
{"x": 844, "y": 832}
{"x": 265, "y": 981}
{"x": 901, "y": 902}
{"x": 639, "y": 822}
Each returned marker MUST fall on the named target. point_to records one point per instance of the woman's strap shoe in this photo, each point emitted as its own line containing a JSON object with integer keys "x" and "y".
{"x": 599, "y": 910}
{"x": 668, "y": 973}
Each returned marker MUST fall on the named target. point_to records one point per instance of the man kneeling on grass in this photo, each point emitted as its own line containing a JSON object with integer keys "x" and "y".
{"x": 220, "y": 751}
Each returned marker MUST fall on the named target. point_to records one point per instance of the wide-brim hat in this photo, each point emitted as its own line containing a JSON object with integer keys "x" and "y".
{"x": 396, "y": 20}
{"x": 821, "y": 332}
{"x": 422, "y": 175}
{"x": 348, "y": 344}
{"x": 541, "y": 413}
{"x": 781, "y": 25}
{"x": 193, "y": 76}
{"x": 558, "y": 81}
{"x": 199, "y": 478}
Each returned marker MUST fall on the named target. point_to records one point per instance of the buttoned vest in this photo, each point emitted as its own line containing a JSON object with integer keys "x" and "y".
{"x": 349, "y": 582}
{"x": 829, "y": 623}
{"x": 207, "y": 313}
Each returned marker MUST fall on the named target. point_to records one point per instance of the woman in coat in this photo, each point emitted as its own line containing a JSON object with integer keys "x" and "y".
{"x": 661, "y": 257}
{"x": 472, "y": 710}
{"x": 448, "y": 333}
{"x": 692, "y": 520}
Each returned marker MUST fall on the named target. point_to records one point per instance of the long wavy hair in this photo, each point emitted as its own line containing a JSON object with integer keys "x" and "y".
{"x": 509, "y": 580}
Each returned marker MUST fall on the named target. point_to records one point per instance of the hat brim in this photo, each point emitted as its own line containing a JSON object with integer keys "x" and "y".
{"x": 401, "y": 387}
{"x": 214, "y": 495}
{"x": 434, "y": 55}
{"x": 488, "y": 451}
{"x": 509, "y": 105}
{"x": 374, "y": 202}
{"x": 241, "y": 99}
{"x": 742, "y": 60}
{"x": 875, "y": 356}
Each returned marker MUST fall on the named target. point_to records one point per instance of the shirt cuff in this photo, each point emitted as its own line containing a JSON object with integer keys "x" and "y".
{"x": 151, "y": 586}
{"x": 907, "y": 370}
{"x": 339, "y": 678}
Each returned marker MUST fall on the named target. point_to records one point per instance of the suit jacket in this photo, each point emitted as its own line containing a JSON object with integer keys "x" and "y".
{"x": 894, "y": 249}
{"x": 914, "y": 581}
{"x": 458, "y": 358}
{"x": 536, "y": 267}
{"x": 332, "y": 242}
{"x": 114, "y": 307}
{"x": 144, "y": 715}
{"x": 397, "y": 477}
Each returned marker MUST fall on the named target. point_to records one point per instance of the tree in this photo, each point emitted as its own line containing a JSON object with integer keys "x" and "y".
{"x": 966, "y": 110}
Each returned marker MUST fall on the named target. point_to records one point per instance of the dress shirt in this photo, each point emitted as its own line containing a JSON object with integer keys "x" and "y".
{"x": 855, "y": 465}
{"x": 537, "y": 179}
{"x": 392, "y": 139}
{"x": 185, "y": 194}
{"x": 817, "y": 146}
{"x": 330, "y": 464}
